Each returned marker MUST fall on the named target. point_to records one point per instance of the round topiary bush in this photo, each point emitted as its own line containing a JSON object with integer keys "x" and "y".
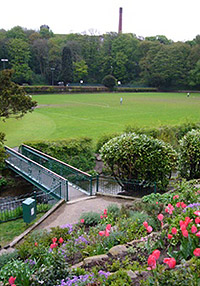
{"x": 189, "y": 160}
{"x": 139, "y": 157}
{"x": 109, "y": 81}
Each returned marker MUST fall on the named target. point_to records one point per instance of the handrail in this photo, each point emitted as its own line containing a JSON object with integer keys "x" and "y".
{"x": 36, "y": 173}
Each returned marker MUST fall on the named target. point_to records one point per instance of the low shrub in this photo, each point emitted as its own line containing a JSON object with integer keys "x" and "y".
{"x": 5, "y": 258}
{"x": 91, "y": 218}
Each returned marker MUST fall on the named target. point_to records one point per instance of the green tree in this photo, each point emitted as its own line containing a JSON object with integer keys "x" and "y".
{"x": 13, "y": 102}
{"x": 67, "y": 65}
{"x": 139, "y": 157}
{"x": 19, "y": 57}
{"x": 189, "y": 161}
{"x": 109, "y": 81}
{"x": 80, "y": 70}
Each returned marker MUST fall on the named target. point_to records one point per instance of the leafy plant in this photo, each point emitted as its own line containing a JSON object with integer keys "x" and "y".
{"x": 91, "y": 218}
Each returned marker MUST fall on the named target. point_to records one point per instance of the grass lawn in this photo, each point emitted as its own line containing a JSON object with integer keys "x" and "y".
{"x": 60, "y": 116}
{"x": 9, "y": 230}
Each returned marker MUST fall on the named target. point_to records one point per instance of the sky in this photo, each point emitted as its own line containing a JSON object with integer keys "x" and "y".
{"x": 178, "y": 20}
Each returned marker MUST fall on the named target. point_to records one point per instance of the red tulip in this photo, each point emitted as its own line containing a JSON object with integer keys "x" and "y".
{"x": 61, "y": 240}
{"x": 149, "y": 229}
{"x": 152, "y": 261}
{"x": 175, "y": 197}
{"x": 36, "y": 244}
{"x": 197, "y": 220}
{"x": 105, "y": 212}
{"x": 101, "y": 217}
{"x": 156, "y": 254}
{"x": 107, "y": 232}
{"x": 54, "y": 239}
{"x": 108, "y": 227}
{"x": 160, "y": 217}
{"x": 198, "y": 234}
{"x": 102, "y": 233}
{"x": 11, "y": 280}
{"x": 82, "y": 220}
{"x": 194, "y": 229}
{"x": 174, "y": 230}
{"x": 185, "y": 233}
{"x": 196, "y": 252}
{"x": 197, "y": 213}
{"x": 171, "y": 262}
{"x": 170, "y": 236}
{"x": 53, "y": 245}
{"x": 145, "y": 224}
{"x": 178, "y": 204}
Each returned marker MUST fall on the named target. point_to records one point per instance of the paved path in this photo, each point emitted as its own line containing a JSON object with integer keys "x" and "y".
{"x": 71, "y": 212}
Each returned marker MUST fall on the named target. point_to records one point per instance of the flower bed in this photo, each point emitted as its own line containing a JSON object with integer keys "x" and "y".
{"x": 149, "y": 243}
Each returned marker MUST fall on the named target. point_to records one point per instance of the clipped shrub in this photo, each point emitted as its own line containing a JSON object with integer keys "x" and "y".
{"x": 139, "y": 157}
{"x": 104, "y": 139}
{"x": 189, "y": 162}
{"x": 91, "y": 218}
{"x": 109, "y": 81}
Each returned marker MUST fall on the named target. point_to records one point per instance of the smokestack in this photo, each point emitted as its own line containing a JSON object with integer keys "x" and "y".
{"x": 120, "y": 21}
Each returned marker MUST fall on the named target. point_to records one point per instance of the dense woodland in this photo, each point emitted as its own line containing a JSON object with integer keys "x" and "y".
{"x": 41, "y": 57}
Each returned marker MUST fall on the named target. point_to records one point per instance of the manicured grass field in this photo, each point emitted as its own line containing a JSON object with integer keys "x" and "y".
{"x": 60, "y": 116}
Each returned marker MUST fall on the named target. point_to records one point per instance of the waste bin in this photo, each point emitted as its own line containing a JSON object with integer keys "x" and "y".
{"x": 29, "y": 210}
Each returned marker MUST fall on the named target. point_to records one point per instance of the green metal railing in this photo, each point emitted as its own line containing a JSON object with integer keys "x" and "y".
{"x": 75, "y": 176}
{"x": 12, "y": 209}
{"x": 109, "y": 185}
{"x": 37, "y": 174}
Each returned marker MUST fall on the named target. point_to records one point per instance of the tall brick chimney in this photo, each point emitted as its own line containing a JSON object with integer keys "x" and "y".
{"x": 120, "y": 21}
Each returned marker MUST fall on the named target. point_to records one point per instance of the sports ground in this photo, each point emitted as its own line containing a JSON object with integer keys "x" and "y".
{"x": 60, "y": 116}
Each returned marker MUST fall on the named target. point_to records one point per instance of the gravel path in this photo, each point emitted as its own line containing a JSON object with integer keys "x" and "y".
{"x": 71, "y": 212}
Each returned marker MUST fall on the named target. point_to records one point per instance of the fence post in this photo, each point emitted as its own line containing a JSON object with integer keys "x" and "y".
{"x": 154, "y": 187}
{"x": 67, "y": 196}
{"x": 97, "y": 183}
{"x": 90, "y": 186}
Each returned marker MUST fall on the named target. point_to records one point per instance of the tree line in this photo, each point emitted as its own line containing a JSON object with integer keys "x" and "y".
{"x": 42, "y": 57}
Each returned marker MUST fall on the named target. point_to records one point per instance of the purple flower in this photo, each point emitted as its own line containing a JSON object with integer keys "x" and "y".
{"x": 69, "y": 226}
{"x": 194, "y": 205}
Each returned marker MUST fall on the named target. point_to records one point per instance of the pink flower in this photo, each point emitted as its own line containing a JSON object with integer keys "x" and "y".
{"x": 151, "y": 261}
{"x": 169, "y": 236}
{"x": 145, "y": 224}
{"x": 166, "y": 210}
{"x": 160, "y": 217}
{"x": 198, "y": 234}
{"x": 53, "y": 245}
{"x": 107, "y": 232}
{"x": 105, "y": 212}
{"x": 156, "y": 254}
{"x": 178, "y": 204}
{"x": 102, "y": 233}
{"x": 54, "y": 239}
{"x": 196, "y": 252}
{"x": 185, "y": 233}
{"x": 197, "y": 213}
{"x": 174, "y": 230}
{"x": 175, "y": 197}
{"x": 188, "y": 220}
{"x": 149, "y": 229}
{"x": 193, "y": 229}
{"x": 36, "y": 244}
{"x": 171, "y": 262}
{"x": 82, "y": 220}
{"x": 101, "y": 217}
{"x": 183, "y": 205}
{"x": 197, "y": 220}
{"x": 61, "y": 240}
{"x": 157, "y": 203}
{"x": 11, "y": 280}
{"x": 108, "y": 227}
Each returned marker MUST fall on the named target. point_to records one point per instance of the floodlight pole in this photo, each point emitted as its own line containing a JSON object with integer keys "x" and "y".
{"x": 4, "y": 63}
{"x": 52, "y": 76}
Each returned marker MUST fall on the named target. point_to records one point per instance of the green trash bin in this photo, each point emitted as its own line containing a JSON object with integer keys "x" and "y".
{"x": 29, "y": 210}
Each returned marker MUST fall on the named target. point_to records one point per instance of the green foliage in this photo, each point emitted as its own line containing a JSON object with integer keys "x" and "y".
{"x": 13, "y": 100}
{"x": 5, "y": 258}
{"x": 67, "y": 65}
{"x": 75, "y": 152}
{"x": 104, "y": 139}
{"x": 139, "y": 157}
{"x": 18, "y": 269}
{"x": 109, "y": 81}
{"x": 190, "y": 155}
{"x": 113, "y": 210}
{"x": 119, "y": 278}
{"x": 91, "y": 218}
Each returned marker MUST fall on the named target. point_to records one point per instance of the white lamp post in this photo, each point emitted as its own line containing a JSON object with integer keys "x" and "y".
{"x": 4, "y": 63}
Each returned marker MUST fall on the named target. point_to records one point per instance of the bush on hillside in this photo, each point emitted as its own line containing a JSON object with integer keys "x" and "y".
{"x": 139, "y": 157}
{"x": 190, "y": 155}
{"x": 75, "y": 152}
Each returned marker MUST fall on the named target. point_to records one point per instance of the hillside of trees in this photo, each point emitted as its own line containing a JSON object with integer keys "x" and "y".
{"x": 38, "y": 57}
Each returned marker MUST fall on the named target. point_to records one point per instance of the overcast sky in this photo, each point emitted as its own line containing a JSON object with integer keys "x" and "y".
{"x": 176, "y": 19}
